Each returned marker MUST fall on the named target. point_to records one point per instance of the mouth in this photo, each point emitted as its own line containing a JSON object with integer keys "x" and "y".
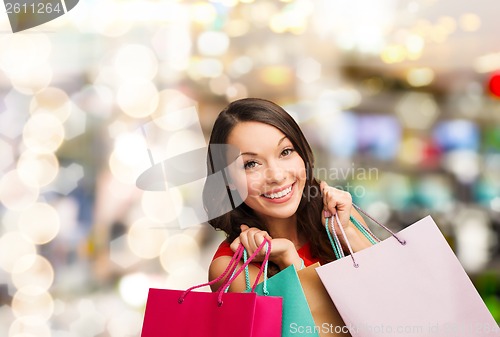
{"x": 280, "y": 194}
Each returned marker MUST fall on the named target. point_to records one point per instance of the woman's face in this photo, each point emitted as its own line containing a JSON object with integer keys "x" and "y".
{"x": 273, "y": 173}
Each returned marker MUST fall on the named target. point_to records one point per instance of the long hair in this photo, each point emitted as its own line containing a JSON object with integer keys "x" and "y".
{"x": 311, "y": 205}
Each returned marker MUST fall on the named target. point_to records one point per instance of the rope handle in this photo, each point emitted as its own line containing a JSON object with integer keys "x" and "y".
{"x": 401, "y": 241}
{"x": 229, "y": 269}
{"x": 334, "y": 240}
{"x": 364, "y": 230}
{"x": 267, "y": 244}
{"x": 247, "y": 275}
{"x": 355, "y": 264}
{"x": 248, "y": 286}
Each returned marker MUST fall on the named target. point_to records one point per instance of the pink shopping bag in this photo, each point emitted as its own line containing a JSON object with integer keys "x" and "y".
{"x": 177, "y": 313}
{"x": 411, "y": 284}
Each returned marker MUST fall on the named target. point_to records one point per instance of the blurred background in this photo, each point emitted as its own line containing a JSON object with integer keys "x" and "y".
{"x": 399, "y": 100}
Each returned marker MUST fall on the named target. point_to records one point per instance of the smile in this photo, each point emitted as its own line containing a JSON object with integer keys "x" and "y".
{"x": 279, "y": 194}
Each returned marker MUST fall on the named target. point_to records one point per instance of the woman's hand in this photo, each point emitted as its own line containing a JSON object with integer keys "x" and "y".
{"x": 283, "y": 251}
{"x": 336, "y": 201}
{"x": 340, "y": 202}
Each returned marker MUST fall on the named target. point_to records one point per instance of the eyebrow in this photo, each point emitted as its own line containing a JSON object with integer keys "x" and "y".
{"x": 255, "y": 154}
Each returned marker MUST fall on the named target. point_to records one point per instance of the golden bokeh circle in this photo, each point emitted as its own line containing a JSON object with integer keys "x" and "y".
{"x": 32, "y": 270}
{"x": 145, "y": 238}
{"x": 33, "y": 301}
{"x": 37, "y": 169}
{"x": 43, "y": 133}
{"x": 15, "y": 194}
{"x": 14, "y": 246}
{"x": 40, "y": 223}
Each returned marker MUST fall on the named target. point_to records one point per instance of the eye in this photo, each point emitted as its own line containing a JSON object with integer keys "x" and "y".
{"x": 287, "y": 152}
{"x": 250, "y": 164}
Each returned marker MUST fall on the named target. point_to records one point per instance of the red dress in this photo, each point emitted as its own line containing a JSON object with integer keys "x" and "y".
{"x": 304, "y": 253}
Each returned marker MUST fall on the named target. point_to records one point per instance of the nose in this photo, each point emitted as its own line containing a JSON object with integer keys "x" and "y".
{"x": 275, "y": 173}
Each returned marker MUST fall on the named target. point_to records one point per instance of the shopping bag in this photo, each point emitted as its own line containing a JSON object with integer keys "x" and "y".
{"x": 410, "y": 284}
{"x": 326, "y": 316}
{"x": 177, "y": 313}
{"x": 297, "y": 318}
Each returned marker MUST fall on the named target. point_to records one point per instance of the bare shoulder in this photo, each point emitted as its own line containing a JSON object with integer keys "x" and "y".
{"x": 216, "y": 268}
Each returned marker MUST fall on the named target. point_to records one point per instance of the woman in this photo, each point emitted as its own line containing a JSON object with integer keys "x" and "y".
{"x": 283, "y": 202}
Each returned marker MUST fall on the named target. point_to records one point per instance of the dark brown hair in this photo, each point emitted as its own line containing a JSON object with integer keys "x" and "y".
{"x": 311, "y": 205}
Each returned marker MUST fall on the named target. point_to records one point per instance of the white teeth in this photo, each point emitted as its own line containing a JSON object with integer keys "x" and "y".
{"x": 279, "y": 194}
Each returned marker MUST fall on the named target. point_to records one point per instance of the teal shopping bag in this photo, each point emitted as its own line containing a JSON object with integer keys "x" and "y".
{"x": 297, "y": 319}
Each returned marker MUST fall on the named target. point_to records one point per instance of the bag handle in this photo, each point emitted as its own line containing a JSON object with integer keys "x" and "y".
{"x": 247, "y": 275}
{"x": 267, "y": 244}
{"x": 366, "y": 231}
{"x": 230, "y": 268}
{"x": 403, "y": 242}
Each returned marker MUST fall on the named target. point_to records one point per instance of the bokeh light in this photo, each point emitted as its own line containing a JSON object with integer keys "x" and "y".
{"x": 132, "y": 289}
{"x": 39, "y": 223}
{"x": 14, "y": 246}
{"x": 32, "y": 270}
{"x": 37, "y": 170}
{"x": 162, "y": 207}
{"x": 420, "y": 77}
{"x": 15, "y": 194}
{"x": 205, "y": 68}
{"x": 33, "y": 301}
{"x": 53, "y": 101}
{"x": 22, "y": 51}
{"x": 146, "y": 237}
{"x": 212, "y": 43}
{"x": 7, "y": 157}
{"x": 417, "y": 110}
{"x": 137, "y": 98}
{"x": 494, "y": 84}
{"x": 31, "y": 80}
{"x": 178, "y": 251}
{"x": 135, "y": 61}
{"x": 175, "y": 111}
{"x": 43, "y": 133}
{"x": 30, "y": 326}
{"x": 470, "y": 22}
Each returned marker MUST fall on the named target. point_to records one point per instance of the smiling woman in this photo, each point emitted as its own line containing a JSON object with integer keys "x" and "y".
{"x": 281, "y": 199}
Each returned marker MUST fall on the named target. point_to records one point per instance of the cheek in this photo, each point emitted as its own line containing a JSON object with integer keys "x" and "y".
{"x": 254, "y": 184}
{"x": 238, "y": 178}
{"x": 299, "y": 169}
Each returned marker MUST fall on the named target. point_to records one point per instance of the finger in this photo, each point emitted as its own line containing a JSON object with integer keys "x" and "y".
{"x": 329, "y": 201}
{"x": 259, "y": 238}
{"x": 244, "y": 227}
{"x": 323, "y": 185}
{"x": 244, "y": 240}
{"x": 235, "y": 244}
{"x": 251, "y": 238}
